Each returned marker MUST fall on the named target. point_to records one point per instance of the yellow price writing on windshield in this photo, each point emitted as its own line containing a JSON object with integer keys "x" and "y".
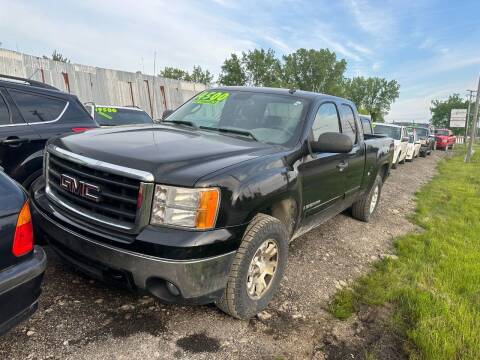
{"x": 211, "y": 97}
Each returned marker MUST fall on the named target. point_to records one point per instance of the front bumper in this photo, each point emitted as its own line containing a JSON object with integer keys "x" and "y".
{"x": 197, "y": 281}
{"x": 20, "y": 289}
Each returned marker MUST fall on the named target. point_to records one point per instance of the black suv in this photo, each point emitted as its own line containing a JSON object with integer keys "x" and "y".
{"x": 31, "y": 112}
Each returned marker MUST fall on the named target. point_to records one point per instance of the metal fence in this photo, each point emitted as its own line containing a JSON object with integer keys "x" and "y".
{"x": 154, "y": 94}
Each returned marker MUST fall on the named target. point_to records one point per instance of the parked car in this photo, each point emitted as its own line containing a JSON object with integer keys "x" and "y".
{"x": 400, "y": 138}
{"x": 427, "y": 142}
{"x": 30, "y": 113}
{"x": 201, "y": 207}
{"x": 413, "y": 147}
{"x": 21, "y": 263}
{"x": 108, "y": 115}
{"x": 444, "y": 139}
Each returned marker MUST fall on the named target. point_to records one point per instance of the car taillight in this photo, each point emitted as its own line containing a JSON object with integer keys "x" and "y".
{"x": 81, "y": 129}
{"x": 23, "y": 238}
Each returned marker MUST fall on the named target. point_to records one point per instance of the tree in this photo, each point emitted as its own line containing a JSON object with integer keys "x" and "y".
{"x": 262, "y": 68}
{"x": 232, "y": 73}
{"x": 200, "y": 76}
{"x": 56, "y": 56}
{"x": 314, "y": 70}
{"x": 374, "y": 95}
{"x": 441, "y": 110}
{"x": 174, "y": 73}
{"x": 197, "y": 75}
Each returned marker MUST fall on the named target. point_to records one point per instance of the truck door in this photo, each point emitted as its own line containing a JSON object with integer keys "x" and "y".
{"x": 355, "y": 161}
{"x": 15, "y": 139}
{"x": 322, "y": 174}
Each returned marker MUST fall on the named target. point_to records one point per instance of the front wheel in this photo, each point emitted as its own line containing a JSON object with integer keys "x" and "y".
{"x": 257, "y": 269}
{"x": 395, "y": 165}
{"x": 365, "y": 207}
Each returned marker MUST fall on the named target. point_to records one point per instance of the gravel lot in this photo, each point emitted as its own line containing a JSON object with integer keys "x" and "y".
{"x": 82, "y": 319}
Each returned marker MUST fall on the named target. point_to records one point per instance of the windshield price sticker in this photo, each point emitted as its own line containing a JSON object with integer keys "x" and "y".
{"x": 106, "y": 109}
{"x": 211, "y": 97}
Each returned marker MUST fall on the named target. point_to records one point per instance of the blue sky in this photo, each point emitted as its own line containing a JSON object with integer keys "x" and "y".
{"x": 432, "y": 48}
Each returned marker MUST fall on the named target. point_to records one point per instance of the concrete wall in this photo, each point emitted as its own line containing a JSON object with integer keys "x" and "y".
{"x": 102, "y": 86}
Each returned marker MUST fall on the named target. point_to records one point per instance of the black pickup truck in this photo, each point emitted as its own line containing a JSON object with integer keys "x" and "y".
{"x": 201, "y": 207}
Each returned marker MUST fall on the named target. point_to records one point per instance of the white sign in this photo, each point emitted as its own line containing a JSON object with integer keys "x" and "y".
{"x": 458, "y": 118}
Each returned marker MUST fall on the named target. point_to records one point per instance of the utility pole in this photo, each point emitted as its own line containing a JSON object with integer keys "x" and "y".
{"x": 468, "y": 115}
{"x": 474, "y": 126}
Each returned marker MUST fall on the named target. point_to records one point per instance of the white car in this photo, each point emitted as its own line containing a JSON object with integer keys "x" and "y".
{"x": 400, "y": 139}
{"x": 413, "y": 147}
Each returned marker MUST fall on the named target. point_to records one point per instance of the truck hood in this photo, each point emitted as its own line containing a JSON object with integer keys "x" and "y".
{"x": 173, "y": 154}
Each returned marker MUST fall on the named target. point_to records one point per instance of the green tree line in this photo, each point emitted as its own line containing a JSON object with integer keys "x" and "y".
{"x": 305, "y": 69}
{"x": 441, "y": 110}
{"x": 197, "y": 75}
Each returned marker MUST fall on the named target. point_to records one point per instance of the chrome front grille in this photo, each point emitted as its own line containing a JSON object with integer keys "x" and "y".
{"x": 94, "y": 191}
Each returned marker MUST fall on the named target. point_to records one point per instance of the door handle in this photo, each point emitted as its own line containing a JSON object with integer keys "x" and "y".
{"x": 13, "y": 140}
{"x": 342, "y": 165}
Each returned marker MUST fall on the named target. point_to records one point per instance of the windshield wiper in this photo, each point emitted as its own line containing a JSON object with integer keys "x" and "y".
{"x": 231, "y": 131}
{"x": 181, "y": 122}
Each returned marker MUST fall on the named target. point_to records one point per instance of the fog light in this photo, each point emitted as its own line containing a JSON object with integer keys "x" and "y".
{"x": 173, "y": 289}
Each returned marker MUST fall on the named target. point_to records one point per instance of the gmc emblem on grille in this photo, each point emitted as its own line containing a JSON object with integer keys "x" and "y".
{"x": 80, "y": 188}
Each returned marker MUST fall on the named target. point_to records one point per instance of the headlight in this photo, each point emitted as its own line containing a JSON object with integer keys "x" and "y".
{"x": 192, "y": 208}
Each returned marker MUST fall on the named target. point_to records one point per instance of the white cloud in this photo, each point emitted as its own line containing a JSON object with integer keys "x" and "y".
{"x": 110, "y": 34}
{"x": 376, "y": 66}
{"x": 374, "y": 20}
{"x": 416, "y": 107}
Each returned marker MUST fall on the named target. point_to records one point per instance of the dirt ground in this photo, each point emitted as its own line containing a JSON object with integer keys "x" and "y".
{"x": 80, "y": 318}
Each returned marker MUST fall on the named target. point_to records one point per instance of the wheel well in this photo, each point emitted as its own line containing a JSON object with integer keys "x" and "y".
{"x": 383, "y": 172}
{"x": 286, "y": 211}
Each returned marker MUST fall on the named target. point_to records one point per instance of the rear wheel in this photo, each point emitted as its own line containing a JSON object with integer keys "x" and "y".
{"x": 257, "y": 269}
{"x": 366, "y": 206}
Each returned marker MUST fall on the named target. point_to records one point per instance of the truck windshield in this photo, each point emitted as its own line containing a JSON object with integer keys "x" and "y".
{"x": 112, "y": 116}
{"x": 422, "y": 133}
{"x": 268, "y": 118}
{"x": 390, "y": 131}
{"x": 441, "y": 132}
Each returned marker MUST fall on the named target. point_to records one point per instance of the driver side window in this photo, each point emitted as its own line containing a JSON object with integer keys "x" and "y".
{"x": 326, "y": 120}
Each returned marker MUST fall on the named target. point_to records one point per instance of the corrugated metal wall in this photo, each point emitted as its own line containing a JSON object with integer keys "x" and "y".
{"x": 103, "y": 86}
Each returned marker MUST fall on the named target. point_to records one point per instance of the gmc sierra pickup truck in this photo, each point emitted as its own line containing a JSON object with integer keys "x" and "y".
{"x": 201, "y": 207}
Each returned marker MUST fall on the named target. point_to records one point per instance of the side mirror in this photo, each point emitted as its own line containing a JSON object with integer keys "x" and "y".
{"x": 166, "y": 114}
{"x": 332, "y": 142}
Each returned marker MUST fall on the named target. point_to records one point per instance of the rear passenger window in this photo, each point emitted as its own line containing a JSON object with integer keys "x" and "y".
{"x": 326, "y": 120}
{"x": 367, "y": 129}
{"x": 348, "y": 123}
{"x": 37, "y": 108}
{"x": 4, "y": 114}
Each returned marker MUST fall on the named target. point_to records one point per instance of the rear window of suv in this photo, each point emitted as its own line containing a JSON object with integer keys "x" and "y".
{"x": 111, "y": 116}
{"x": 37, "y": 108}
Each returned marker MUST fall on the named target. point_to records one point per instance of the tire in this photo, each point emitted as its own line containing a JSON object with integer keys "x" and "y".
{"x": 403, "y": 161}
{"x": 361, "y": 209}
{"x": 394, "y": 166}
{"x": 236, "y": 299}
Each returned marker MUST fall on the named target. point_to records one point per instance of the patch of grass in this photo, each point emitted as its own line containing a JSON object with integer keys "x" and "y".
{"x": 342, "y": 306}
{"x": 435, "y": 283}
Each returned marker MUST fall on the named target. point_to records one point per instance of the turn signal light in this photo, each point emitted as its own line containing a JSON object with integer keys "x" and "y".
{"x": 23, "y": 238}
{"x": 207, "y": 209}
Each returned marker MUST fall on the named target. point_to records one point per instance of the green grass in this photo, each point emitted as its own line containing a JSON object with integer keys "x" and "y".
{"x": 435, "y": 283}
